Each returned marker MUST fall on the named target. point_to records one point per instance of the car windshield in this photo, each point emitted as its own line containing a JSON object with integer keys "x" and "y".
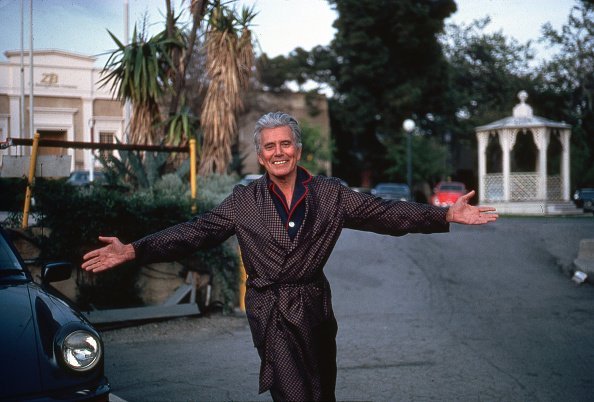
{"x": 451, "y": 187}
{"x": 83, "y": 177}
{"x": 391, "y": 188}
{"x": 8, "y": 261}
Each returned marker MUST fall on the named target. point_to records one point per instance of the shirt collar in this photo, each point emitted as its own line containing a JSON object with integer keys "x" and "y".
{"x": 303, "y": 177}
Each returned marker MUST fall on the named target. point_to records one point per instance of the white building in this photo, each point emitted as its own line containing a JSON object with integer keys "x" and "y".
{"x": 68, "y": 103}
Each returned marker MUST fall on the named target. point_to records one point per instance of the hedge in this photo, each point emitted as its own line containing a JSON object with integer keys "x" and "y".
{"x": 74, "y": 217}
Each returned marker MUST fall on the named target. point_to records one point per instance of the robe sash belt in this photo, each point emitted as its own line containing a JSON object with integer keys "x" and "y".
{"x": 286, "y": 315}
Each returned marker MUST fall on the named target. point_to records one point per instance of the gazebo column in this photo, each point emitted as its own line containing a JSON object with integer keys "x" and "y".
{"x": 506, "y": 141}
{"x": 565, "y": 169}
{"x": 541, "y": 137}
{"x": 483, "y": 141}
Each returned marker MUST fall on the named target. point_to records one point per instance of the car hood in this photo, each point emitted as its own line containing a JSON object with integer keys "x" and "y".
{"x": 30, "y": 319}
{"x": 18, "y": 341}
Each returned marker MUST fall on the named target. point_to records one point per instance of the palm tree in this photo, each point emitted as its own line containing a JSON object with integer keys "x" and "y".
{"x": 146, "y": 70}
{"x": 229, "y": 61}
{"x": 139, "y": 72}
{"x": 182, "y": 122}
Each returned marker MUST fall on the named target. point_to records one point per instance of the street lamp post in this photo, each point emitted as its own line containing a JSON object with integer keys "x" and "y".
{"x": 409, "y": 125}
{"x": 92, "y": 135}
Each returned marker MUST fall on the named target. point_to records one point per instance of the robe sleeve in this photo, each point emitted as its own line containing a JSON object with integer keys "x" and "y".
{"x": 204, "y": 231}
{"x": 369, "y": 213}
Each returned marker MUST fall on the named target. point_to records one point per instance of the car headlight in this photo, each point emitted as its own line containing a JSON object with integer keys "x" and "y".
{"x": 81, "y": 350}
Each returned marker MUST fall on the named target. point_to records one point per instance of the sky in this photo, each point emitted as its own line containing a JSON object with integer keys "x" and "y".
{"x": 80, "y": 26}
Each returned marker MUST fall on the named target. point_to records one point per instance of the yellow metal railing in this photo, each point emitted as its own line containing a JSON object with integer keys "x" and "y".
{"x": 242, "y": 280}
{"x": 193, "y": 189}
{"x": 30, "y": 179}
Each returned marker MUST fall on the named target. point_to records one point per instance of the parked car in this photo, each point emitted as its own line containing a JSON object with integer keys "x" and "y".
{"x": 248, "y": 178}
{"x": 447, "y": 192}
{"x": 82, "y": 178}
{"x": 584, "y": 198}
{"x": 392, "y": 191}
{"x": 48, "y": 350}
{"x": 364, "y": 190}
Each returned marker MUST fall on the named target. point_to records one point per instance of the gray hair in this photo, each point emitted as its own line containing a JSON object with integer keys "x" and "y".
{"x": 274, "y": 120}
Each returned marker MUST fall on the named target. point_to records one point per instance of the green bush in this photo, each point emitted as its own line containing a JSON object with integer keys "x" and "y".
{"x": 212, "y": 190}
{"x": 75, "y": 217}
{"x": 12, "y": 194}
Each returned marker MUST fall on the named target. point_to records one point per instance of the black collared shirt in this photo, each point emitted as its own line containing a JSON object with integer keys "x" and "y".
{"x": 292, "y": 218}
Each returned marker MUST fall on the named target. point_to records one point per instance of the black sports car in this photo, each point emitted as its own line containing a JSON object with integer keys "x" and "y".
{"x": 48, "y": 350}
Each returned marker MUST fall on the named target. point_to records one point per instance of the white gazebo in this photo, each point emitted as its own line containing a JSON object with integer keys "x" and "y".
{"x": 524, "y": 192}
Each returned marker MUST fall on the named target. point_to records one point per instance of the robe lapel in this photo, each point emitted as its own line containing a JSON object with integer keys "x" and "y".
{"x": 303, "y": 229}
{"x": 269, "y": 216}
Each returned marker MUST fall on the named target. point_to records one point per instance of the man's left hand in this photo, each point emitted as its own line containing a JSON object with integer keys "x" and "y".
{"x": 463, "y": 212}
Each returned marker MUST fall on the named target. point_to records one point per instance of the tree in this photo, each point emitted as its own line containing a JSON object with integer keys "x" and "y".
{"x": 390, "y": 66}
{"x": 272, "y": 74}
{"x": 229, "y": 61}
{"x": 182, "y": 56}
{"x": 317, "y": 152}
{"x": 486, "y": 71}
{"x": 428, "y": 165}
{"x": 152, "y": 73}
{"x": 317, "y": 66}
{"x": 568, "y": 80}
{"x": 138, "y": 72}
{"x": 484, "y": 74}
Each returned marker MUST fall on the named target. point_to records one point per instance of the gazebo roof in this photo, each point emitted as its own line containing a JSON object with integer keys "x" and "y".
{"x": 522, "y": 122}
{"x": 522, "y": 118}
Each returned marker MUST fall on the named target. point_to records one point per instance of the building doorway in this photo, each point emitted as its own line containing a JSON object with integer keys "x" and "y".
{"x": 52, "y": 135}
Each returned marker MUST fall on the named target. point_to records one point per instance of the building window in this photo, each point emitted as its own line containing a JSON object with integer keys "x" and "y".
{"x": 106, "y": 138}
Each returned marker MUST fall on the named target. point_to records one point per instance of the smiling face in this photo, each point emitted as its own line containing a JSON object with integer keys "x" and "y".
{"x": 278, "y": 153}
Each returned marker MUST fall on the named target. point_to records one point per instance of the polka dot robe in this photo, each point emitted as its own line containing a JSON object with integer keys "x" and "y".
{"x": 288, "y": 297}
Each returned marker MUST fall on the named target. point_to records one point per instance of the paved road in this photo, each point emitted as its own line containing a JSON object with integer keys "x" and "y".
{"x": 483, "y": 313}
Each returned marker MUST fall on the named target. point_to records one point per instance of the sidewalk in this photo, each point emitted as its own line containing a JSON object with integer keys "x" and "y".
{"x": 4, "y": 215}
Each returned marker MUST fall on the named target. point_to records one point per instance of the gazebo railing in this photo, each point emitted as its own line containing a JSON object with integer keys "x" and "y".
{"x": 493, "y": 185}
{"x": 554, "y": 188}
{"x": 523, "y": 187}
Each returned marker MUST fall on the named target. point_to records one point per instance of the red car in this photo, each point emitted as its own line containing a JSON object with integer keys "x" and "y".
{"x": 447, "y": 192}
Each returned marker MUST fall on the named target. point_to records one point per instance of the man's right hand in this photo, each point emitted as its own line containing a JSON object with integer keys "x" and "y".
{"x": 110, "y": 256}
